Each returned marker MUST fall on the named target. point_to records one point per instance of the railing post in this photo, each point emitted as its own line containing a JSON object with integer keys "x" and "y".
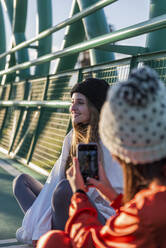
{"x": 45, "y": 22}
{"x": 80, "y": 75}
{"x": 133, "y": 62}
{"x": 36, "y": 132}
{"x": 11, "y": 61}
{"x": 20, "y": 13}
{"x": 95, "y": 25}
{"x": 3, "y": 38}
{"x": 73, "y": 35}
{"x": 156, "y": 41}
{"x": 20, "y": 117}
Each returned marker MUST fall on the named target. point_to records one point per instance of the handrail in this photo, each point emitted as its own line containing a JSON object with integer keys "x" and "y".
{"x": 122, "y": 34}
{"x": 34, "y": 104}
{"x": 93, "y": 8}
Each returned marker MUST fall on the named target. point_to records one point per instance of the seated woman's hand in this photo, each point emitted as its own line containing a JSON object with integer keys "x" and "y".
{"x": 103, "y": 185}
{"x": 75, "y": 178}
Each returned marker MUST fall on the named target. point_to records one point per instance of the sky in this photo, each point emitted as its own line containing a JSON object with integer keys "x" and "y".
{"x": 120, "y": 14}
{"x": 125, "y": 13}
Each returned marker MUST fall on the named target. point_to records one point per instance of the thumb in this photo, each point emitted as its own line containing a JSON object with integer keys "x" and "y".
{"x": 69, "y": 172}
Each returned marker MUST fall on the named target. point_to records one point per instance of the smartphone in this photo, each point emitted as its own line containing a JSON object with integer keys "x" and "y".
{"x": 87, "y": 155}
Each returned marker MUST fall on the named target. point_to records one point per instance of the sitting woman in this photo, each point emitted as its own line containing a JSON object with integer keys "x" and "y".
{"x": 133, "y": 127}
{"x": 44, "y": 208}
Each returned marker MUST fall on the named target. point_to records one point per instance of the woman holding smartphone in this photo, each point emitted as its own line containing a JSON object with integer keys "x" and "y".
{"x": 46, "y": 207}
{"x": 133, "y": 127}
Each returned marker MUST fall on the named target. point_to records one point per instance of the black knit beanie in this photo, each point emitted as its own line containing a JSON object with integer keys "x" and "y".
{"x": 94, "y": 89}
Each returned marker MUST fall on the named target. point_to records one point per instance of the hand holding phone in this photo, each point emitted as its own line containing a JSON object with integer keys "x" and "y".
{"x": 75, "y": 178}
{"x": 87, "y": 155}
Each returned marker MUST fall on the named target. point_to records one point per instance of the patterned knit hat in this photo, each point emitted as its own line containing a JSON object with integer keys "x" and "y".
{"x": 133, "y": 119}
{"x": 94, "y": 89}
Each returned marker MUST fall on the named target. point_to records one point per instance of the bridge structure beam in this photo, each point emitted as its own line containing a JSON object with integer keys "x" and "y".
{"x": 156, "y": 41}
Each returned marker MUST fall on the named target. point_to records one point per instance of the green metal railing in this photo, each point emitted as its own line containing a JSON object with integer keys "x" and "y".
{"x": 35, "y": 104}
{"x": 33, "y": 126}
{"x": 34, "y": 112}
{"x": 61, "y": 25}
{"x": 125, "y": 33}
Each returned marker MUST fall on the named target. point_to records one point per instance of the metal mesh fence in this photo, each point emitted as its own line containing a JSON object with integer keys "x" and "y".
{"x": 36, "y": 134}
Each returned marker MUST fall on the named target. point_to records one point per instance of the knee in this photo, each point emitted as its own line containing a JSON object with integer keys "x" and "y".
{"x": 62, "y": 193}
{"x": 52, "y": 238}
{"x": 18, "y": 183}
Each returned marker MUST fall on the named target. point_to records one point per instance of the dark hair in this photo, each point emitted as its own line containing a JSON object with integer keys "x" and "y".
{"x": 138, "y": 177}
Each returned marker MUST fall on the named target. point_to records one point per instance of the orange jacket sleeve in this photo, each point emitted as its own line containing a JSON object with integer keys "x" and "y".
{"x": 85, "y": 230}
{"x": 139, "y": 223}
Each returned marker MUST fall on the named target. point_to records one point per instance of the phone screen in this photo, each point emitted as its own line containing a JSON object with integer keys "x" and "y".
{"x": 88, "y": 160}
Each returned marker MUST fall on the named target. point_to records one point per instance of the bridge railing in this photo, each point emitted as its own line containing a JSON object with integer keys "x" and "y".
{"x": 32, "y": 123}
{"x": 153, "y": 24}
{"x": 103, "y": 42}
{"x": 34, "y": 115}
{"x": 93, "y": 8}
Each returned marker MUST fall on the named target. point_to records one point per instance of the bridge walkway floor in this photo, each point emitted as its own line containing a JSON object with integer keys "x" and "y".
{"x": 10, "y": 213}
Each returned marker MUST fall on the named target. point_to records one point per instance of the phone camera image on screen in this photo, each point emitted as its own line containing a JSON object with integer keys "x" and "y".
{"x": 88, "y": 160}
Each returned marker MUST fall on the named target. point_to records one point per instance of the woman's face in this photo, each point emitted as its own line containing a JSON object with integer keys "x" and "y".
{"x": 79, "y": 109}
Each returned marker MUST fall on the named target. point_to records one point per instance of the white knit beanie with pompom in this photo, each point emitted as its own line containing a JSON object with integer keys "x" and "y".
{"x": 133, "y": 118}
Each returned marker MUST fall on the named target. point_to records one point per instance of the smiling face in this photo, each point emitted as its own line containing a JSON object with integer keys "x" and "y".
{"x": 79, "y": 109}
